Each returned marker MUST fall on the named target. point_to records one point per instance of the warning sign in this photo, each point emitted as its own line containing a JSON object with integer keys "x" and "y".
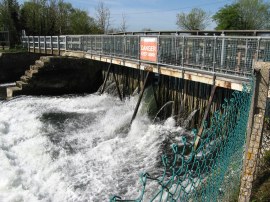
{"x": 148, "y": 49}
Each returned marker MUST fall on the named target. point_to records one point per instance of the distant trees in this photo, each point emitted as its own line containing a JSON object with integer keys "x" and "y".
{"x": 244, "y": 14}
{"x": 103, "y": 17}
{"x": 123, "y": 25}
{"x": 52, "y": 17}
{"x": 196, "y": 19}
{"x": 9, "y": 19}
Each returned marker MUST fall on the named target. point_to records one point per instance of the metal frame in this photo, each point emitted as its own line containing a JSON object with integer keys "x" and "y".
{"x": 228, "y": 56}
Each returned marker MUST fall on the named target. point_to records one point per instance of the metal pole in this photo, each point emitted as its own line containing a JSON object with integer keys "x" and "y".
{"x": 51, "y": 45}
{"x": 28, "y": 43}
{"x": 39, "y": 50}
{"x": 45, "y": 45}
{"x": 58, "y": 45}
{"x": 34, "y": 43}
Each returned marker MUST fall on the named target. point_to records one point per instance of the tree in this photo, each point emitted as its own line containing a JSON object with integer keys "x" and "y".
{"x": 55, "y": 17}
{"x": 9, "y": 19}
{"x": 255, "y": 14}
{"x": 228, "y": 18}
{"x": 123, "y": 25}
{"x": 197, "y": 19}
{"x": 103, "y": 17}
{"x": 244, "y": 14}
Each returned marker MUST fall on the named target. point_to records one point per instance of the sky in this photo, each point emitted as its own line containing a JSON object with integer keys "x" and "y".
{"x": 158, "y": 15}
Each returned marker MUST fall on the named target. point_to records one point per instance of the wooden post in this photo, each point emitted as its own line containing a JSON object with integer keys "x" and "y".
{"x": 205, "y": 117}
{"x": 106, "y": 78}
{"x": 140, "y": 98}
{"x": 117, "y": 85}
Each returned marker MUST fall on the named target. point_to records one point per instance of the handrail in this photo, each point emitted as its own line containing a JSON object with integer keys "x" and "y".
{"x": 222, "y": 55}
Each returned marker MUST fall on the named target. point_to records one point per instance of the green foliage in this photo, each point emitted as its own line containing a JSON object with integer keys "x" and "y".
{"x": 267, "y": 158}
{"x": 261, "y": 187}
{"x": 228, "y": 18}
{"x": 9, "y": 19}
{"x": 51, "y": 17}
{"x": 197, "y": 19}
{"x": 244, "y": 15}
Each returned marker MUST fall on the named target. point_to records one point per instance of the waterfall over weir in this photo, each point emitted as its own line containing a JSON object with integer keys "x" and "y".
{"x": 76, "y": 148}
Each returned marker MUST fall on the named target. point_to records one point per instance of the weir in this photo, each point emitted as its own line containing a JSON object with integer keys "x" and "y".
{"x": 184, "y": 70}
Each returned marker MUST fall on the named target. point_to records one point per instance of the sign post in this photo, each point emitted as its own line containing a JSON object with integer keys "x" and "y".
{"x": 149, "y": 49}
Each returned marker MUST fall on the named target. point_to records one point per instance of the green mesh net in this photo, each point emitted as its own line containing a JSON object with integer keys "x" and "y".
{"x": 212, "y": 171}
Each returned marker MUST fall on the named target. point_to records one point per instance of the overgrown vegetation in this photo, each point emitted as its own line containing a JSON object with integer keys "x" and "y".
{"x": 261, "y": 187}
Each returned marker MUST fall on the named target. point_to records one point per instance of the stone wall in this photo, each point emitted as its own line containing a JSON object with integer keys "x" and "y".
{"x": 64, "y": 75}
{"x": 13, "y": 65}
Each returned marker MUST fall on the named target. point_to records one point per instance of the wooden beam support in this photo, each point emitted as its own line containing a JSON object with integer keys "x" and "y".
{"x": 140, "y": 98}
{"x": 106, "y": 78}
{"x": 205, "y": 117}
{"x": 117, "y": 85}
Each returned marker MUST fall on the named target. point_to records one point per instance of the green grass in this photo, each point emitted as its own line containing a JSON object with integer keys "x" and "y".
{"x": 261, "y": 187}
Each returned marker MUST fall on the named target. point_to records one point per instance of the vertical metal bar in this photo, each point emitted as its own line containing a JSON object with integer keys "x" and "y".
{"x": 257, "y": 52}
{"x": 58, "y": 45}
{"x": 66, "y": 45}
{"x": 204, "y": 53}
{"x": 183, "y": 51}
{"x": 222, "y": 51}
{"x": 34, "y": 44}
{"x": 28, "y": 43}
{"x": 214, "y": 54}
{"x": 51, "y": 45}
{"x": 45, "y": 45}
{"x": 39, "y": 50}
{"x": 139, "y": 48}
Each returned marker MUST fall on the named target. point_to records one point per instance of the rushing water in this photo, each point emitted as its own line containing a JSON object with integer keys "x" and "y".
{"x": 76, "y": 148}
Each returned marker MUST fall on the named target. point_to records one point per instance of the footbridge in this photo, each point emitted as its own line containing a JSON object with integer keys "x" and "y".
{"x": 205, "y": 164}
{"x": 225, "y": 61}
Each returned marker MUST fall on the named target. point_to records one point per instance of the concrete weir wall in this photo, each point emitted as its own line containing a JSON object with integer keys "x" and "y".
{"x": 63, "y": 75}
{"x": 13, "y": 65}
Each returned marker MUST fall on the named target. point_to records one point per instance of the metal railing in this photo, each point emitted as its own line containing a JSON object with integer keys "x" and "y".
{"x": 221, "y": 55}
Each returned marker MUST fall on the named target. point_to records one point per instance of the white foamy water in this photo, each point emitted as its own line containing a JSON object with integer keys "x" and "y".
{"x": 75, "y": 148}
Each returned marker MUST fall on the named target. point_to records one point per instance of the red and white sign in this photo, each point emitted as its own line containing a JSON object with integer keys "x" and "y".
{"x": 148, "y": 49}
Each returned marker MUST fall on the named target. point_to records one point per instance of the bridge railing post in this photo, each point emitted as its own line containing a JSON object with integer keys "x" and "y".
{"x": 183, "y": 51}
{"x": 34, "y": 43}
{"x": 214, "y": 54}
{"x": 58, "y": 45}
{"x": 222, "y": 51}
{"x": 28, "y": 43}
{"x": 39, "y": 48}
{"x": 51, "y": 41}
{"x": 45, "y": 45}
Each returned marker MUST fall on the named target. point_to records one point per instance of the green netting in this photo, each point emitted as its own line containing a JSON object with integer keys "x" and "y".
{"x": 210, "y": 173}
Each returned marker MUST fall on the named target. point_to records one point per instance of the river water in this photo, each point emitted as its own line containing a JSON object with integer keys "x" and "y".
{"x": 76, "y": 148}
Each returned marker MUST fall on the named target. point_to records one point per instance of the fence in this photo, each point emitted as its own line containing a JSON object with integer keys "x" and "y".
{"x": 222, "y": 55}
{"x": 210, "y": 173}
